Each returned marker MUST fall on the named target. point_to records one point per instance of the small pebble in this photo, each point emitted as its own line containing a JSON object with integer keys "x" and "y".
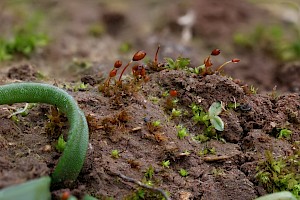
{"x": 47, "y": 148}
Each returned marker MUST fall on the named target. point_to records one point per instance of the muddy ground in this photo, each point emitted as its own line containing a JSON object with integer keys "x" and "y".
{"x": 121, "y": 121}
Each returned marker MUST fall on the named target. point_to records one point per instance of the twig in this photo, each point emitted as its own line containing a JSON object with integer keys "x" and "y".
{"x": 126, "y": 178}
{"x": 216, "y": 158}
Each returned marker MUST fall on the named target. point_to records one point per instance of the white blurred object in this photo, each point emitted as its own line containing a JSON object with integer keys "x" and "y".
{"x": 187, "y": 21}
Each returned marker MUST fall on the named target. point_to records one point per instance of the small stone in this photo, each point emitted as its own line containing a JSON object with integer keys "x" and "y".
{"x": 47, "y": 148}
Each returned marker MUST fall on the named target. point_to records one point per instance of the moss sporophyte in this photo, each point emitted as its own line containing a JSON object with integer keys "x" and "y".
{"x": 138, "y": 71}
{"x": 73, "y": 156}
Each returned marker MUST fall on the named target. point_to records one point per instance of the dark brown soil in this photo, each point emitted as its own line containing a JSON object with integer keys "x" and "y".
{"x": 121, "y": 125}
{"x": 27, "y": 146}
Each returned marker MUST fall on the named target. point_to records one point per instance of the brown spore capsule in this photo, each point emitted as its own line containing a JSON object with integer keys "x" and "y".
{"x": 215, "y": 52}
{"x": 173, "y": 93}
{"x": 118, "y": 64}
{"x": 139, "y": 55}
{"x": 113, "y": 73}
{"x": 235, "y": 60}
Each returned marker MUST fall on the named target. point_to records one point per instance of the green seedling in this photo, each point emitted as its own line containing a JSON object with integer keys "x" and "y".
{"x": 197, "y": 70}
{"x": 232, "y": 105}
{"x": 253, "y": 89}
{"x": 72, "y": 159}
{"x": 115, "y": 153}
{"x": 175, "y": 101}
{"x": 210, "y": 117}
{"x": 79, "y": 87}
{"x": 156, "y": 123}
{"x": 182, "y": 132}
{"x": 183, "y": 173}
{"x": 284, "y": 133}
{"x": 149, "y": 173}
{"x": 165, "y": 164}
{"x": 153, "y": 126}
{"x": 207, "y": 151}
{"x": 61, "y": 144}
{"x": 15, "y": 119}
{"x": 185, "y": 153}
{"x": 176, "y": 112}
{"x": 199, "y": 115}
{"x": 165, "y": 94}
{"x": 155, "y": 100}
{"x": 214, "y": 110}
{"x": 179, "y": 63}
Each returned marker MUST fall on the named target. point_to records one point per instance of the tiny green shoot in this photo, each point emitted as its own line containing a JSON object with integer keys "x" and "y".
{"x": 214, "y": 110}
{"x": 156, "y": 123}
{"x": 166, "y": 163}
{"x": 176, "y": 112}
{"x": 155, "y": 100}
{"x": 210, "y": 117}
{"x": 115, "y": 153}
{"x": 253, "y": 89}
{"x": 80, "y": 86}
{"x": 284, "y": 133}
{"x": 182, "y": 132}
{"x": 179, "y": 63}
{"x": 197, "y": 70}
{"x": 61, "y": 144}
{"x": 183, "y": 173}
{"x": 165, "y": 93}
{"x": 149, "y": 173}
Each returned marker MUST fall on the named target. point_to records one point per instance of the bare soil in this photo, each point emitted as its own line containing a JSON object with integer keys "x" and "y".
{"x": 27, "y": 144}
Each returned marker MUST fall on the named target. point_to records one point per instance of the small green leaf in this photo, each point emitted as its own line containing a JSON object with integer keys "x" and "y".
{"x": 171, "y": 63}
{"x": 217, "y": 123}
{"x": 284, "y": 133}
{"x": 182, "y": 62}
{"x": 215, "y": 109}
{"x": 115, "y": 153}
{"x": 166, "y": 163}
{"x": 183, "y": 173}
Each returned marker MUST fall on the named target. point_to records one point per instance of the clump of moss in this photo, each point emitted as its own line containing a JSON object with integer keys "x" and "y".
{"x": 281, "y": 174}
{"x": 25, "y": 41}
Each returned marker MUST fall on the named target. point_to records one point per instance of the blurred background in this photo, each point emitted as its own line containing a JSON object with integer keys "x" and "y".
{"x": 66, "y": 39}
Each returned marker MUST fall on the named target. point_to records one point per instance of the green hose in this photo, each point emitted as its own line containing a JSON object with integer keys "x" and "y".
{"x": 72, "y": 159}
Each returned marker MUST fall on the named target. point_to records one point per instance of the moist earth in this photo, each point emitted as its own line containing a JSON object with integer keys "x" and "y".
{"x": 122, "y": 124}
